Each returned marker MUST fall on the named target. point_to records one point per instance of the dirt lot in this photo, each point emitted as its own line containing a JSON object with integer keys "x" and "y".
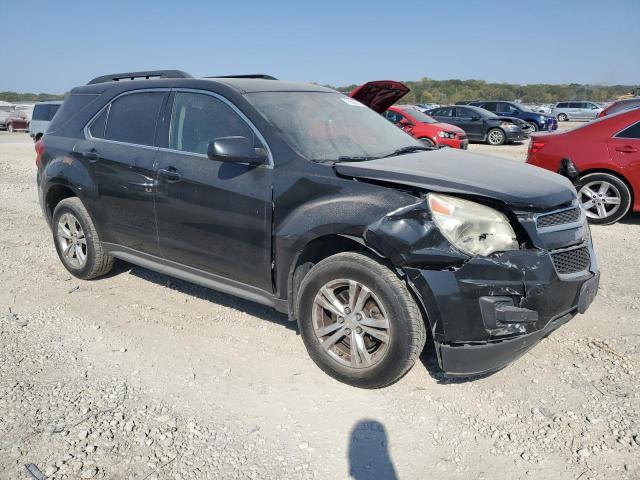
{"x": 141, "y": 376}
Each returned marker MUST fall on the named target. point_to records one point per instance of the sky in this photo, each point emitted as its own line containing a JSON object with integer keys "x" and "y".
{"x": 53, "y": 46}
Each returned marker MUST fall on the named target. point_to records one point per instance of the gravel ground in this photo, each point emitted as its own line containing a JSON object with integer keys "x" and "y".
{"x": 141, "y": 376}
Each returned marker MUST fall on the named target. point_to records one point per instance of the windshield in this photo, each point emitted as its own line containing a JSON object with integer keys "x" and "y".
{"x": 325, "y": 126}
{"x": 417, "y": 115}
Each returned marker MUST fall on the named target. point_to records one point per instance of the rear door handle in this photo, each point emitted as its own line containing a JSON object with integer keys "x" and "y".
{"x": 91, "y": 155}
{"x": 626, "y": 149}
{"x": 170, "y": 174}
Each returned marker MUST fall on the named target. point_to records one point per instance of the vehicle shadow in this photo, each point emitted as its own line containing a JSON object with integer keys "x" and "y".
{"x": 369, "y": 452}
{"x": 203, "y": 293}
{"x": 632, "y": 219}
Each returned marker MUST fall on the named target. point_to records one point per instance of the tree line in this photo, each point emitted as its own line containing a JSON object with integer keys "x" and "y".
{"x": 447, "y": 92}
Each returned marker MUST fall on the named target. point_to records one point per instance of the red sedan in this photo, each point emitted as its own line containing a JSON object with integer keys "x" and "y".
{"x": 606, "y": 155}
{"x": 380, "y": 95}
{"x": 425, "y": 128}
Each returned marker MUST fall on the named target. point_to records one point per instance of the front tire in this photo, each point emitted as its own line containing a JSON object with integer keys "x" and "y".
{"x": 563, "y": 117}
{"x": 77, "y": 242}
{"x": 496, "y": 136}
{"x": 534, "y": 126}
{"x": 427, "y": 141}
{"x": 605, "y": 198}
{"x": 358, "y": 321}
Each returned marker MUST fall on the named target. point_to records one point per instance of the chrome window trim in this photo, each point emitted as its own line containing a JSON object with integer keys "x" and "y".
{"x": 87, "y": 133}
{"x": 626, "y": 128}
{"x": 244, "y": 118}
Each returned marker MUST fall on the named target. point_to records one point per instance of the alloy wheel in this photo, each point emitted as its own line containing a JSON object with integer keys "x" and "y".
{"x": 600, "y": 199}
{"x": 351, "y": 324}
{"x": 72, "y": 240}
{"x": 496, "y": 137}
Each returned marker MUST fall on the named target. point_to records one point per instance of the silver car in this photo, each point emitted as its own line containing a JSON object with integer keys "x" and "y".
{"x": 41, "y": 117}
{"x": 564, "y": 111}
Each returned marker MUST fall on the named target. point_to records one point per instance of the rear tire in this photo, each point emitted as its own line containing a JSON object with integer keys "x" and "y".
{"x": 371, "y": 332}
{"x": 563, "y": 117}
{"x": 77, "y": 242}
{"x": 605, "y": 197}
{"x": 496, "y": 136}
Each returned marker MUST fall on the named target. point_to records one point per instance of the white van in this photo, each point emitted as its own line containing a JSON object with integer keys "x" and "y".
{"x": 43, "y": 112}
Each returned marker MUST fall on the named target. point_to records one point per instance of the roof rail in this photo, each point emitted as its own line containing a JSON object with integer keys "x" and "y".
{"x": 250, "y": 75}
{"x": 116, "y": 77}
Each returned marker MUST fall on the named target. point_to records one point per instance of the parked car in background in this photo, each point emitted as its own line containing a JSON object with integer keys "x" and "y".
{"x": 423, "y": 107}
{"x": 17, "y": 120}
{"x": 620, "y": 106}
{"x": 537, "y": 121}
{"x": 27, "y": 108}
{"x": 565, "y": 111}
{"x": 481, "y": 125}
{"x": 605, "y": 155}
{"x": 380, "y": 95}
{"x": 425, "y": 128}
{"x": 300, "y": 198}
{"x": 43, "y": 113}
{"x": 5, "y": 110}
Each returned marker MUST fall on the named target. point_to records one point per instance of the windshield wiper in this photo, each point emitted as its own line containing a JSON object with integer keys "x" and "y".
{"x": 409, "y": 149}
{"x": 355, "y": 159}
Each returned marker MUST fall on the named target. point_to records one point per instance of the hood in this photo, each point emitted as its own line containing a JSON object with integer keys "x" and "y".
{"x": 447, "y": 126}
{"x": 459, "y": 172}
{"x": 380, "y": 94}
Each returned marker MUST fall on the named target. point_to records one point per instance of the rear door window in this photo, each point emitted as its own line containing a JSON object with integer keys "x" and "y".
{"x": 133, "y": 117}
{"x": 491, "y": 106}
{"x": 198, "y": 119}
{"x": 444, "y": 112}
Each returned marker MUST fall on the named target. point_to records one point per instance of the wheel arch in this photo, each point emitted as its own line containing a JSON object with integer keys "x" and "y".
{"x": 317, "y": 250}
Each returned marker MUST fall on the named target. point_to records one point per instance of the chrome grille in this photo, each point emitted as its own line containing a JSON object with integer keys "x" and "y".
{"x": 571, "y": 261}
{"x": 559, "y": 218}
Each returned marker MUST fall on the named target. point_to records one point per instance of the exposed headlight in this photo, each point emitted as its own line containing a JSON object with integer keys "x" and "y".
{"x": 543, "y": 119}
{"x": 471, "y": 227}
{"x": 443, "y": 134}
{"x": 508, "y": 125}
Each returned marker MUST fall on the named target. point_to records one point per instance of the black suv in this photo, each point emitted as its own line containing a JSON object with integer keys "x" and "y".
{"x": 301, "y": 198}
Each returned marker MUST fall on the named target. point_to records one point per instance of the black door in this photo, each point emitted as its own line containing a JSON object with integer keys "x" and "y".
{"x": 121, "y": 150}
{"x": 214, "y": 216}
{"x": 471, "y": 122}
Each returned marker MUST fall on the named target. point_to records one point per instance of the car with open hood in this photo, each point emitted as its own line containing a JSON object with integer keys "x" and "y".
{"x": 381, "y": 95}
{"x": 300, "y": 198}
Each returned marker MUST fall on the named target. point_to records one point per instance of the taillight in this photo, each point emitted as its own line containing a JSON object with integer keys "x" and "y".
{"x": 535, "y": 146}
{"x": 39, "y": 146}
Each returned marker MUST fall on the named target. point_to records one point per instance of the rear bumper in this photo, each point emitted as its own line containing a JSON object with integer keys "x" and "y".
{"x": 490, "y": 311}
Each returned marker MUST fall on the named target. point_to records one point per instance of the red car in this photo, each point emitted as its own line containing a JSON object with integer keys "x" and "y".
{"x": 620, "y": 106}
{"x": 380, "y": 95}
{"x": 425, "y": 128}
{"x": 17, "y": 120}
{"x": 605, "y": 155}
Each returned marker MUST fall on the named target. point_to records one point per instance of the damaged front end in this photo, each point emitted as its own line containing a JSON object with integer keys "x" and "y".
{"x": 486, "y": 311}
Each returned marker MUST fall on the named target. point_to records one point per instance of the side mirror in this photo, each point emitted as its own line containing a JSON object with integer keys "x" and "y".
{"x": 236, "y": 149}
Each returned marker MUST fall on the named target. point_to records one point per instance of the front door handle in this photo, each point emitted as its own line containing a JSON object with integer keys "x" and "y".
{"x": 626, "y": 149}
{"x": 170, "y": 174}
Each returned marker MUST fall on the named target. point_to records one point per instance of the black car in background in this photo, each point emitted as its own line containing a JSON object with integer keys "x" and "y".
{"x": 481, "y": 125}
{"x": 537, "y": 121}
{"x": 303, "y": 199}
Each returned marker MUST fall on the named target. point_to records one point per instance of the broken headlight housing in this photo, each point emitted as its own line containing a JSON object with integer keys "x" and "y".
{"x": 473, "y": 228}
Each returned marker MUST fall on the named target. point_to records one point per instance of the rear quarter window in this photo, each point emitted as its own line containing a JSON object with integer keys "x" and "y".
{"x": 72, "y": 105}
{"x": 632, "y": 132}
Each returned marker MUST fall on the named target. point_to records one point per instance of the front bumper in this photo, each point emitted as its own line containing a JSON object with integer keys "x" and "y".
{"x": 515, "y": 135}
{"x": 471, "y": 339}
